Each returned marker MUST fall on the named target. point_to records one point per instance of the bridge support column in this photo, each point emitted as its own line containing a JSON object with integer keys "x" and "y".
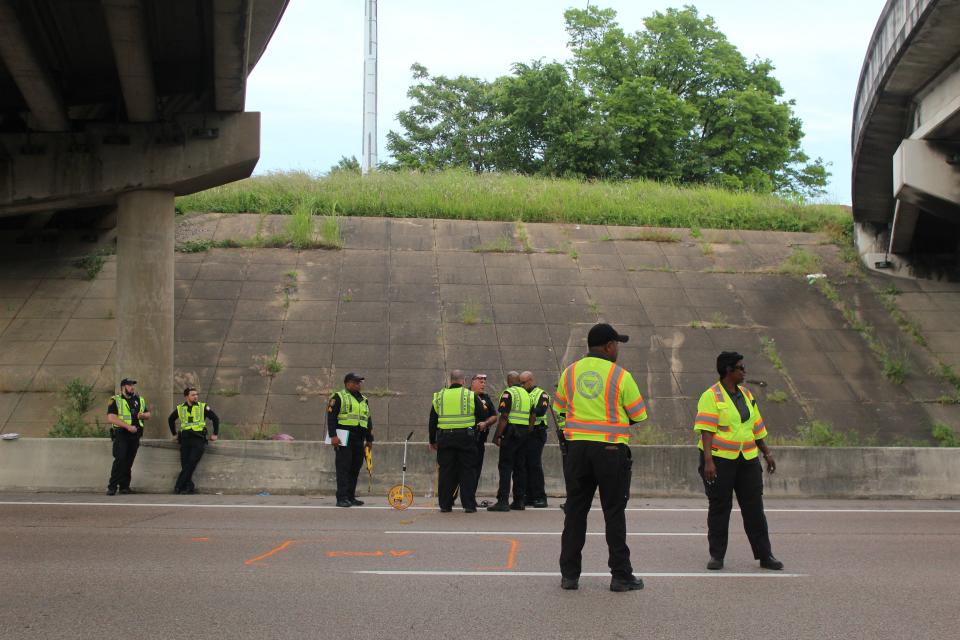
{"x": 145, "y": 318}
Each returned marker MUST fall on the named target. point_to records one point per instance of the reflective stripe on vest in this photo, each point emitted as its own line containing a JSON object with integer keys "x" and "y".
{"x": 455, "y": 408}
{"x": 519, "y": 406}
{"x": 192, "y": 418}
{"x": 353, "y": 412}
{"x": 734, "y": 435}
{"x": 123, "y": 408}
{"x": 535, "y": 394}
{"x": 592, "y": 387}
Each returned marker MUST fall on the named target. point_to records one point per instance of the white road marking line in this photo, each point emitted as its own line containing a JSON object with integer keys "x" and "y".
{"x": 539, "y": 533}
{"x": 551, "y": 574}
{"x": 186, "y": 505}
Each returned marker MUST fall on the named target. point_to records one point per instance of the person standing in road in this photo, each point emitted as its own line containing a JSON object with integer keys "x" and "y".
{"x": 598, "y": 401}
{"x": 513, "y": 429}
{"x": 126, "y": 414}
{"x": 349, "y": 410}
{"x": 536, "y": 493}
{"x": 454, "y": 416}
{"x": 193, "y": 416}
{"x": 731, "y": 433}
{"x": 478, "y": 384}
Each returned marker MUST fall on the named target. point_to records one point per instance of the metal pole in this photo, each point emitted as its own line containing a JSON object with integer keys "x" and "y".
{"x": 370, "y": 88}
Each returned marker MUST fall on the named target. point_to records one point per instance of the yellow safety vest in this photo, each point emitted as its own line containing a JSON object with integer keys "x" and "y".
{"x": 123, "y": 408}
{"x": 519, "y": 406}
{"x": 718, "y": 414}
{"x": 192, "y": 418}
{"x": 353, "y": 413}
{"x": 455, "y": 408}
{"x": 535, "y": 394}
{"x": 599, "y": 399}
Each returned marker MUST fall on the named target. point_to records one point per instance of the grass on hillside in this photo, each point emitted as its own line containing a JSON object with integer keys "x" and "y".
{"x": 463, "y": 195}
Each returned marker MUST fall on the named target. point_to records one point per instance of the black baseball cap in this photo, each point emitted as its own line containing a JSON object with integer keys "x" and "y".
{"x": 127, "y": 381}
{"x": 601, "y": 334}
{"x": 351, "y": 377}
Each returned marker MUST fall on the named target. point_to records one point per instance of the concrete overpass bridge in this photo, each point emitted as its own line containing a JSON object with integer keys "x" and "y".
{"x": 906, "y": 141}
{"x": 123, "y": 105}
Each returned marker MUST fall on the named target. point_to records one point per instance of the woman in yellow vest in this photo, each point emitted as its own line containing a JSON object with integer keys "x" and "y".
{"x": 731, "y": 434}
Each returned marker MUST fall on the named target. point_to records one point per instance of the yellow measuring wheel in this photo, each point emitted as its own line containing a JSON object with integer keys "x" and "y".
{"x": 400, "y": 495}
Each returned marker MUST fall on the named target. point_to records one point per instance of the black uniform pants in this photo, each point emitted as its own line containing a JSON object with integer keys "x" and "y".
{"x": 745, "y": 478}
{"x": 125, "y": 447}
{"x": 587, "y": 467}
{"x": 481, "y": 452}
{"x": 532, "y": 454}
{"x": 457, "y": 457}
{"x": 349, "y": 461}
{"x": 191, "y": 450}
{"x": 513, "y": 463}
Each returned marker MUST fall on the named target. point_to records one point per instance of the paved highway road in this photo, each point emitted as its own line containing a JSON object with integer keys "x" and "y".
{"x": 83, "y": 566}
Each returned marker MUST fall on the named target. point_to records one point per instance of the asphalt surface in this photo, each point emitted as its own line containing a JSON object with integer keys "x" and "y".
{"x": 86, "y": 566}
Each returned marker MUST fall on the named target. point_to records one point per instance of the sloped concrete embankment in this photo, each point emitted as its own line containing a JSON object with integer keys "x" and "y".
{"x": 267, "y": 333}
{"x": 40, "y": 464}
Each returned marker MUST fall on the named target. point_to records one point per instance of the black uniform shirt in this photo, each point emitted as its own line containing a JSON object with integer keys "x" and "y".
{"x": 478, "y": 415}
{"x": 207, "y": 414}
{"x": 134, "y": 403}
{"x": 741, "y": 403}
{"x": 490, "y": 410}
{"x": 333, "y": 410}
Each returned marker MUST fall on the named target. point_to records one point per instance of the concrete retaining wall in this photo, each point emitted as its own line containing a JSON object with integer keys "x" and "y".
{"x": 39, "y": 464}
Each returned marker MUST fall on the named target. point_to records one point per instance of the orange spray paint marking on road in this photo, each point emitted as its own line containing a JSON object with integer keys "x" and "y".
{"x": 511, "y": 555}
{"x": 200, "y": 539}
{"x": 277, "y": 549}
{"x": 369, "y": 554}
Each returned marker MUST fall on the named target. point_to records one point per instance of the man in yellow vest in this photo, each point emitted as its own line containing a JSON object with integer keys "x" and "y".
{"x": 452, "y": 429}
{"x": 513, "y": 430}
{"x": 536, "y": 494}
{"x": 598, "y": 401}
{"x": 731, "y": 433}
{"x": 126, "y": 414}
{"x": 349, "y": 413}
{"x": 193, "y": 416}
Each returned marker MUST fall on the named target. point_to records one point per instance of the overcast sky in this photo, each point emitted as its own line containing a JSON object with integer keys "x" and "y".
{"x": 309, "y": 83}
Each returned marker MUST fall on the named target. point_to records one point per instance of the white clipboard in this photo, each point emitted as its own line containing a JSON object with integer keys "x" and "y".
{"x": 344, "y": 436}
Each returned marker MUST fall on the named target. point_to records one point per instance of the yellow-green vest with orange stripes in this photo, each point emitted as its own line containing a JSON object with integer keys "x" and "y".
{"x": 718, "y": 414}
{"x": 598, "y": 400}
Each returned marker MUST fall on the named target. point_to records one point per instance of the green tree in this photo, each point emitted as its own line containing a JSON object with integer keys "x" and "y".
{"x": 675, "y": 101}
{"x": 345, "y": 164}
{"x": 450, "y": 124}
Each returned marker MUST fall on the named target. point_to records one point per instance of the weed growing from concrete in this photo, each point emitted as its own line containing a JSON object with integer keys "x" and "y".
{"x": 719, "y": 321}
{"x": 770, "y": 350}
{"x": 523, "y": 237}
{"x": 502, "y": 244}
{"x": 818, "y": 433}
{"x": 695, "y": 233}
{"x": 945, "y": 435}
{"x": 778, "y": 396}
{"x": 78, "y": 398}
{"x": 801, "y": 262}
{"x": 470, "y": 312}
{"x": 92, "y": 264}
{"x": 648, "y": 235}
{"x": 893, "y": 365}
{"x": 268, "y": 366}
